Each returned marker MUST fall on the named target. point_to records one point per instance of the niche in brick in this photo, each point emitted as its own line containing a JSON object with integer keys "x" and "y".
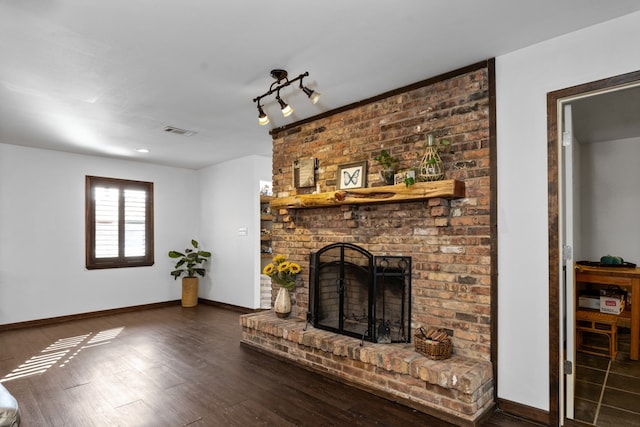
{"x": 354, "y": 293}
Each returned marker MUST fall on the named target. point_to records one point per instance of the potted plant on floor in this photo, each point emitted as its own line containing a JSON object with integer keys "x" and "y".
{"x": 191, "y": 263}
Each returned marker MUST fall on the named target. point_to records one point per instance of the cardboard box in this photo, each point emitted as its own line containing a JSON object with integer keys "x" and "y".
{"x": 589, "y": 301}
{"x": 612, "y": 304}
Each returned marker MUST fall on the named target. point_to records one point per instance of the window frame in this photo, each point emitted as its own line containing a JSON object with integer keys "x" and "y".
{"x": 120, "y": 261}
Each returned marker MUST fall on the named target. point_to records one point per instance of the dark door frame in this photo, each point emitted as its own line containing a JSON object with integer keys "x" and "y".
{"x": 554, "y": 229}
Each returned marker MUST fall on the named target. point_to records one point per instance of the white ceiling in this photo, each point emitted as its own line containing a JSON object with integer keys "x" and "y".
{"x": 105, "y": 77}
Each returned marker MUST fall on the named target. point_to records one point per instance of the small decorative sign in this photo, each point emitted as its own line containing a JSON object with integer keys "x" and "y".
{"x": 400, "y": 177}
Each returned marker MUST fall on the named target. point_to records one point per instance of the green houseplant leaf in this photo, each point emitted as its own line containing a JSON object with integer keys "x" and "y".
{"x": 386, "y": 160}
{"x": 190, "y": 262}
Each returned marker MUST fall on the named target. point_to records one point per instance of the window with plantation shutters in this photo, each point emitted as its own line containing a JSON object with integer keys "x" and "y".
{"x": 119, "y": 223}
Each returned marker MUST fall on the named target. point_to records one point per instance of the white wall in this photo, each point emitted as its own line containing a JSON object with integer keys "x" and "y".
{"x": 230, "y": 194}
{"x": 609, "y": 199}
{"x": 42, "y": 234}
{"x": 523, "y": 80}
{"x": 42, "y": 228}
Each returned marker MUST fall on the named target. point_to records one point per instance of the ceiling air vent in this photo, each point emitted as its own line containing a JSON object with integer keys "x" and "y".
{"x": 178, "y": 131}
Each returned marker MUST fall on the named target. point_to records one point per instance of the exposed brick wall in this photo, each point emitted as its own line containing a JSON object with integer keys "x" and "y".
{"x": 449, "y": 241}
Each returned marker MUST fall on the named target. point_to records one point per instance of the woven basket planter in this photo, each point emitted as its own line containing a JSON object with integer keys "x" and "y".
{"x": 189, "y": 291}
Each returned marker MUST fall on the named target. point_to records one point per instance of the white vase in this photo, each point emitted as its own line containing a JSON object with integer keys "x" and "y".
{"x": 282, "y": 306}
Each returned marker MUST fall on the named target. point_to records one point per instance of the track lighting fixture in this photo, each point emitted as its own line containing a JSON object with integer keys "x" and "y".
{"x": 281, "y": 82}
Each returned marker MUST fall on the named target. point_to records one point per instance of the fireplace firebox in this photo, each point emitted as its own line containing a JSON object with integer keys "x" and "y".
{"x": 354, "y": 293}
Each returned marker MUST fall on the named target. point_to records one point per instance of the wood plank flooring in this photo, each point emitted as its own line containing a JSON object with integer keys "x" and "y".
{"x": 175, "y": 366}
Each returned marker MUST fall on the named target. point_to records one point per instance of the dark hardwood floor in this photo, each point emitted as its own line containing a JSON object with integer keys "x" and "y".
{"x": 175, "y": 366}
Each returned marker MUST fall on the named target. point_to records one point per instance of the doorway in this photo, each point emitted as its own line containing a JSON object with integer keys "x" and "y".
{"x": 572, "y": 125}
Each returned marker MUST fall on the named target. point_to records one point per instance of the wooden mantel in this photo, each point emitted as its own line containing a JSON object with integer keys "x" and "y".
{"x": 449, "y": 189}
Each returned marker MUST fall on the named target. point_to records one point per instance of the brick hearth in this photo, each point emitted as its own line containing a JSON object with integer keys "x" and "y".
{"x": 458, "y": 389}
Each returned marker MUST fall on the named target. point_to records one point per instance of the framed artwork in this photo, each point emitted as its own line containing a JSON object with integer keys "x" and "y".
{"x": 352, "y": 175}
{"x": 304, "y": 172}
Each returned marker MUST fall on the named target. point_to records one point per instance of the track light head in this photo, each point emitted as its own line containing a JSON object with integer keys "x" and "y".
{"x": 286, "y": 108}
{"x": 313, "y": 95}
{"x": 263, "y": 119}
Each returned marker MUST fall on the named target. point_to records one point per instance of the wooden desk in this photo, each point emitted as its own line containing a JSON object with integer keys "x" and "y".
{"x": 628, "y": 278}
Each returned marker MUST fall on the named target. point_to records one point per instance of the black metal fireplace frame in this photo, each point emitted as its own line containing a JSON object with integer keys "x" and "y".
{"x": 378, "y": 269}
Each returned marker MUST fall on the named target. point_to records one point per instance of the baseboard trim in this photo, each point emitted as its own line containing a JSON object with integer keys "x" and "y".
{"x": 523, "y": 411}
{"x": 239, "y": 309}
{"x": 60, "y": 319}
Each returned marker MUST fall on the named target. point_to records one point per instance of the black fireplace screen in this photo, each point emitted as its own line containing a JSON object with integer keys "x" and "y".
{"x": 355, "y": 293}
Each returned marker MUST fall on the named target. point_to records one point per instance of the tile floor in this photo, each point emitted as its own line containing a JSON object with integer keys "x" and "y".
{"x": 607, "y": 393}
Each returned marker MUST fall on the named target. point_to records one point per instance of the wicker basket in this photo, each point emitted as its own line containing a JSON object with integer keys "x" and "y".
{"x": 436, "y": 349}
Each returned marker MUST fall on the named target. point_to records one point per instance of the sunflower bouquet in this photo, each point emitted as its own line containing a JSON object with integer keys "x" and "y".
{"x": 282, "y": 271}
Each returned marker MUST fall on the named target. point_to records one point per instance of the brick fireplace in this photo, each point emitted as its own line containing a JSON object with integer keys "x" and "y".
{"x": 449, "y": 240}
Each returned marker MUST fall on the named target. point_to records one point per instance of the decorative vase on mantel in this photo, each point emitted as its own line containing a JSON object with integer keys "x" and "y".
{"x": 431, "y": 166}
{"x": 282, "y": 305}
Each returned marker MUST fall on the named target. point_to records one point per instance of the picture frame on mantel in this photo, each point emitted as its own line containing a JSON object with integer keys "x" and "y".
{"x": 352, "y": 175}
{"x": 404, "y": 174}
{"x": 304, "y": 172}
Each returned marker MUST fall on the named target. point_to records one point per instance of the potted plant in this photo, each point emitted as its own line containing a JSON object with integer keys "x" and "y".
{"x": 389, "y": 165}
{"x": 190, "y": 263}
{"x": 284, "y": 274}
